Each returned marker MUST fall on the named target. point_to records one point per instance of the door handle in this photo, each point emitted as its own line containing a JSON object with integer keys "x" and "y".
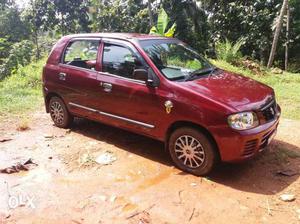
{"x": 62, "y": 76}
{"x": 107, "y": 87}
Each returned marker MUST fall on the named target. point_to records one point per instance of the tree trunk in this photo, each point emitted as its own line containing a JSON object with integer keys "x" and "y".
{"x": 150, "y": 13}
{"x": 62, "y": 25}
{"x": 286, "y": 61}
{"x": 277, "y": 33}
{"x": 36, "y": 40}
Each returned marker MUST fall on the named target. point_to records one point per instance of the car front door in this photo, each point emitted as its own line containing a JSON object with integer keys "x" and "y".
{"x": 127, "y": 101}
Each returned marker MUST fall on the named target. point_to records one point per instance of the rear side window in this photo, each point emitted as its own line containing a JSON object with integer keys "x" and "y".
{"x": 120, "y": 60}
{"x": 82, "y": 53}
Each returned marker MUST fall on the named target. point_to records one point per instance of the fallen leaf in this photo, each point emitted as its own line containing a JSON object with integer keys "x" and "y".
{"x": 19, "y": 167}
{"x": 5, "y": 139}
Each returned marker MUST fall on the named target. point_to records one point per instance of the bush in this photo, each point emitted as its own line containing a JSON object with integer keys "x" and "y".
{"x": 22, "y": 90}
{"x": 4, "y": 46}
{"x": 46, "y": 43}
{"x": 19, "y": 55}
{"x": 294, "y": 66}
{"x": 229, "y": 52}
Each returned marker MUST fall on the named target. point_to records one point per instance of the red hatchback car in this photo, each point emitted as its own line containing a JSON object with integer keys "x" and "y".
{"x": 161, "y": 88}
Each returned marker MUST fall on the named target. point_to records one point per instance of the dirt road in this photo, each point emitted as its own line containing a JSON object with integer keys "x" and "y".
{"x": 141, "y": 186}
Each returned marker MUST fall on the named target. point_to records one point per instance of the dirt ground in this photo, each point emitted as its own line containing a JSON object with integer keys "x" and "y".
{"x": 141, "y": 186}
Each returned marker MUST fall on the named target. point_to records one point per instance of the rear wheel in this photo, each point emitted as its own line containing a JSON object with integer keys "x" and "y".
{"x": 59, "y": 113}
{"x": 192, "y": 151}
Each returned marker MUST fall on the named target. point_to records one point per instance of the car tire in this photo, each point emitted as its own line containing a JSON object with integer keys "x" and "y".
{"x": 192, "y": 151}
{"x": 59, "y": 113}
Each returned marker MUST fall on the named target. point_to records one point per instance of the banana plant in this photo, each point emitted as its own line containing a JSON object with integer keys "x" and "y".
{"x": 161, "y": 26}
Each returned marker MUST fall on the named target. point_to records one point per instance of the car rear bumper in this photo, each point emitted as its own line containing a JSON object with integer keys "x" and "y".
{"x": 45, "y": 93}
{"x": 236, "y": 146}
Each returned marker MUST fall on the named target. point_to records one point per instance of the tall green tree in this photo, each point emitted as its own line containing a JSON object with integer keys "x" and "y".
{"x": 37, "y": 16}
{"x": 119, "y": 16}
{"x": 294, "y": 36}
{"x": 12, "y": 27}
{"x": 191, "y": 21}
{"x": 71, "y": 16}
{"x": 277, "y": 32}
{"x": 63, "y": 16}
{"x": 251, "y": 19}
{"x": 6, "y": 3}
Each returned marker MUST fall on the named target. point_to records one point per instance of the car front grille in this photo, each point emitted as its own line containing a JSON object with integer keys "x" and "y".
{"x": 269, "y": 111}
{"x": 265, "y": 139}
{"x": 250, "y": 147}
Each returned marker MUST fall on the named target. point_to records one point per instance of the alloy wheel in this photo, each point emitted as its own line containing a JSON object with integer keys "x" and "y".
{"x": 189, "y": 151}
{"x": 57, "y": 112}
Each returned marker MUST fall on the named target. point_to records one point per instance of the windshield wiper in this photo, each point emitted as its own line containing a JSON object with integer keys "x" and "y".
{"x": 198, "y": 72}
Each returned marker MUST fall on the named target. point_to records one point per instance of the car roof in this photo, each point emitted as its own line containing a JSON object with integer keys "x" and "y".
{"x": 124, "y": 36}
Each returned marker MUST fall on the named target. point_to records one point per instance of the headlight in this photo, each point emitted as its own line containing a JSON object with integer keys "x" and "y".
{"x": 243, "y": 121}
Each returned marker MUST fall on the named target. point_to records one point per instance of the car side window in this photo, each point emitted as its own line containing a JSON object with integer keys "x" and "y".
{"x": 82, "y": 53}
{"x": 120, "y": 60}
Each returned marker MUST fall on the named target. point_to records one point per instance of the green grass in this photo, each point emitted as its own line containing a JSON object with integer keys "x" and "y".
{"x": 22, "y": 91}
{"x": 286, "y": 86}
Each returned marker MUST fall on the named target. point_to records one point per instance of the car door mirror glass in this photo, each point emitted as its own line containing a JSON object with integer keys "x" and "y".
{"x": 140, "y": 74}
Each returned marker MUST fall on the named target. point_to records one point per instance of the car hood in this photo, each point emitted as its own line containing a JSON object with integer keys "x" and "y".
{"x": 235, "y": 91}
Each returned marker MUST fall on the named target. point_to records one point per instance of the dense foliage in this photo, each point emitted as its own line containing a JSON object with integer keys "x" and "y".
{"x": 28, "y": 31}
{"x": 22, "y": 90}
{"x": 229, "y": 52}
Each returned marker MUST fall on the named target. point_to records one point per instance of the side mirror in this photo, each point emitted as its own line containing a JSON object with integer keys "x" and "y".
{"x": 153, "y": 80}
{"x": 147, "y": 76}
{"x": 140, "y": 74}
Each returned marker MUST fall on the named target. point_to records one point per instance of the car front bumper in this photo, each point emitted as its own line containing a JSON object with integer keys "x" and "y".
{"x": 236, "y": 146}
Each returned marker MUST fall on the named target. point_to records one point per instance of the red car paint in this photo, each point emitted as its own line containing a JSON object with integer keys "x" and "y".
{"x": 205, "y": 103}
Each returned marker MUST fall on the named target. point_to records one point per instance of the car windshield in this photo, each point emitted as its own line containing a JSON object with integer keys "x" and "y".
{"x": 175, "y": 59}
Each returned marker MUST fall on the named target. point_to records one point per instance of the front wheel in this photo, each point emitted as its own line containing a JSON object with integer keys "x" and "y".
{"x": 192, "y": 151}
{"x": 59, "y": 113}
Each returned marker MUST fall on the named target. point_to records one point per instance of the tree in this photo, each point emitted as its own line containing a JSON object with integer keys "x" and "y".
{"x": 36, "y": 16}
{"x": 150, "y": 13}
{"x": 5, "y": 4}
{"x": 63, "y": 16}
{"x": 191, "y": 22}
{"x": 71, "y": 16}
{"x": 162, "y": 23}
{"x": 119, "y": 16}
{"x": 294, "y": 37}
{"x": 12, "y": 27}
{"x": 250, "y": 19}
{"x": 277, "y": 33}
{"x": 287, "y": 38}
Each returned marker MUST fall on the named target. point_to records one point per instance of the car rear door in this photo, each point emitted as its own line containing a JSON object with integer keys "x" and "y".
{"x": 126, "y": 101}
{"x": 78, "y": 75}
